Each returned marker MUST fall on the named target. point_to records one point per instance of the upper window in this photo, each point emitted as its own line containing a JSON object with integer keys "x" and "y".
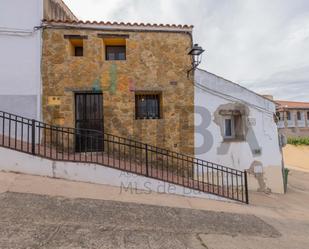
{"x": 229, "y": 127}
{"x": 115, "y": 46}
{"x": 288, "y": 115}
{"x": 299, "y": 116}
{"x": 115, "y": 53}
{"x": 308, "y": 115}
{"x": 232, "y": 126}
{"x": 76, "y": 44}
{"x": 147, "y": 106}
{"x": 77, "y": 47}
{"x": 79, "y": 51}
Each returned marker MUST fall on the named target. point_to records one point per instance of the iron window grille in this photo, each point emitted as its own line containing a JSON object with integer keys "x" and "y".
{"x": 117, "y": 53}
{"x": 147, "y": 106}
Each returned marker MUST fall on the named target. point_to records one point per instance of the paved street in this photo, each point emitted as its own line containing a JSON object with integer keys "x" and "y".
{"x": 34, "y": 221}
{"x": 106, "y": 218}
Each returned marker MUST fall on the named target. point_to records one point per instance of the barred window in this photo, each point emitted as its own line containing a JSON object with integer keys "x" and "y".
{"x": 147, "y": 106}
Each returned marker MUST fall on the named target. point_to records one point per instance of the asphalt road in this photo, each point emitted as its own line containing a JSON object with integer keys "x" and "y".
{"x": 37, "y": 221}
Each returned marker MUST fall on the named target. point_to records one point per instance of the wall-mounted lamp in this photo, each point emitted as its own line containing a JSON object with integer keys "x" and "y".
{"x": 196, "y": 57}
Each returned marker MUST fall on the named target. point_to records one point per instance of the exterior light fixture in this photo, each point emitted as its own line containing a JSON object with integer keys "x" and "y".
{"x": 196, "y": 57}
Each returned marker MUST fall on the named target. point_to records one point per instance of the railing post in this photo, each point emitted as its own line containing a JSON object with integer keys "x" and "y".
{"x": 246, "y": 186}
{"x": 147, "y": 171}
{"x": 33, "y": 136}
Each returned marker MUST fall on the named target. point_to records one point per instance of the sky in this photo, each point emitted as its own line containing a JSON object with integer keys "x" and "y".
{"x": 260, "y": 44}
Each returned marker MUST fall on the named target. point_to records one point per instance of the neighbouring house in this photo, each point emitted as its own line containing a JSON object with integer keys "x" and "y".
{"x": 293, "y": 118}
{"x": 236, "y": 127}
{"x": 20, "y": 60}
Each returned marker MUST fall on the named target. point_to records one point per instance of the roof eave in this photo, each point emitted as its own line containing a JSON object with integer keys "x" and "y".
{"x": 118, "y": 26}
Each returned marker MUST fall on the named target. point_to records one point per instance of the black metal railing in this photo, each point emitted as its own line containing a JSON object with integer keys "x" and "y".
{"x": 81, "y": 145}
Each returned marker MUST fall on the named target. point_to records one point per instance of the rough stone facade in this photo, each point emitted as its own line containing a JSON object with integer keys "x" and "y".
{"x": 155, "y": 61}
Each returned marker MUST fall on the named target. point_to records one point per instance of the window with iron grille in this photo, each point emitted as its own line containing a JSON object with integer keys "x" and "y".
{"x": 147, "y": 106}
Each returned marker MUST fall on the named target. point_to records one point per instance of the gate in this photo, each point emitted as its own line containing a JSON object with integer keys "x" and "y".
{"x": 89, "y": 122}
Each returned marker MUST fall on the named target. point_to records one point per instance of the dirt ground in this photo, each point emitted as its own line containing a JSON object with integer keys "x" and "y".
{"x": 40, "y": 212}
{"x": 296, "y": 157}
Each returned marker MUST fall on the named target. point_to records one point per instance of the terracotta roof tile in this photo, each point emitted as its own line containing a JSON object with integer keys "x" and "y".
{"x": 120, "y": 24}
{"x": 292, "y": 104}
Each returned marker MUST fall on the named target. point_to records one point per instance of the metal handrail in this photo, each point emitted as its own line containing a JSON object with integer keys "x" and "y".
{"x": 92, "y": 146}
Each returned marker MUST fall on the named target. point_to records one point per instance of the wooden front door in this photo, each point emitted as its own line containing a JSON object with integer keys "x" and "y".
{"x": 89, "y": 122}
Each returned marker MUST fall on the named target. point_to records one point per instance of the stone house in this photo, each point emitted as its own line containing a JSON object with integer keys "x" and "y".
{"x": 293, "y": 118}
{"x": 132, "y": 80}
{"x": 127, "y": 79}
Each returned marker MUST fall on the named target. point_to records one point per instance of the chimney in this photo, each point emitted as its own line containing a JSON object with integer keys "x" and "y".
{"x": 270, "y": 97}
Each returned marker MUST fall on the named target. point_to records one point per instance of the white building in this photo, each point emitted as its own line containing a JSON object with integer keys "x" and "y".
{"x": 235, "y": 127}
{"x": 20, "y": 60}
{"x": 293, "y": 118}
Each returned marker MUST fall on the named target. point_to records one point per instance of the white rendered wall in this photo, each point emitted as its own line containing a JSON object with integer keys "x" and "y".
{"x": 262, "y": 132}
{"x": 13, "y": 161}
{"x": 20, "y": 60}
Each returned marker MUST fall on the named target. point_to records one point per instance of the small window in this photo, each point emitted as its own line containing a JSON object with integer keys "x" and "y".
{"x": 288, "y": 115}
{"x": 79, "y": 51}
{"x": 232, "y": 125}
{"x": 117, "y": 53}
{"x": 299, "y": 116}
{"x": 77, "y": 47}
{"x": 229, "y": 127}
{"x": 147, "y": 106}
{"x": 307, "y": 115}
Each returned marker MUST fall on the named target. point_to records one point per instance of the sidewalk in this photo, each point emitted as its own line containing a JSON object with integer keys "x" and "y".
{"x": 260, "y": 203}
{"x": 21, "y": 183}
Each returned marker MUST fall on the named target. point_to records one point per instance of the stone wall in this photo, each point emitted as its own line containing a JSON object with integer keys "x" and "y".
{"x": 294, "y": 131}
{"x": 156, "y": 61}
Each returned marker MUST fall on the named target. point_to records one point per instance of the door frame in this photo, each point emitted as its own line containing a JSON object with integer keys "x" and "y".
{"x": 75, "y": 93}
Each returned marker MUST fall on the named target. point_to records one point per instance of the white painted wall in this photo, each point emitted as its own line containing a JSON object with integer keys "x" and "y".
{"x": 212, "y": 91}
{"x": 20, "y": 60}
{"x": 13, "y": 161}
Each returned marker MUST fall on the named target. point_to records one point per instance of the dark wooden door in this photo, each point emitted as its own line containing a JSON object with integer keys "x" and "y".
{"x": 89, "y": 122}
